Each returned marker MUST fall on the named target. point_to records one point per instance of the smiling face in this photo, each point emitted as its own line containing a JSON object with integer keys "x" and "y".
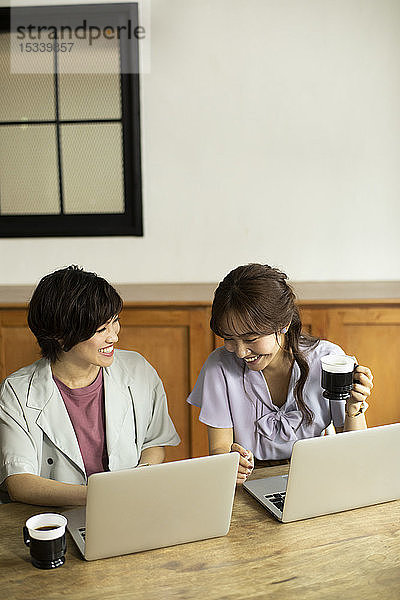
{"x": 98, "y": 350}
{"x": 257, "y": 351}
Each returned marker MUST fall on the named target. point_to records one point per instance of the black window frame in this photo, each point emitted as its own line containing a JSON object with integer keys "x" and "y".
{"x": 130, "y": 222}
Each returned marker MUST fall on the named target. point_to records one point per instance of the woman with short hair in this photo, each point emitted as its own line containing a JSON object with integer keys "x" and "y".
{"x": 83, "y": 408}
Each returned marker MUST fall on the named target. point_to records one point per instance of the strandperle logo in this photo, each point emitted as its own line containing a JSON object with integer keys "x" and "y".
{"x": 83, "y": 31}
{"x": 82, "y": 38}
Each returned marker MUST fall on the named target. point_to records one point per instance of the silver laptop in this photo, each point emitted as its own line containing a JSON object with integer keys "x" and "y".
{"x": 153, "y": 507}
{"x": 334, "y": 473}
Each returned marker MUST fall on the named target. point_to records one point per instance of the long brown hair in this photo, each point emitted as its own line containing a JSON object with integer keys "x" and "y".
{"x": 257, "y": 298}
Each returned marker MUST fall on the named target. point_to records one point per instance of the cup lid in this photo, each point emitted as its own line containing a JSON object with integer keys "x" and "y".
{"x": 43, "y": 519}
{"x": 338, "y": 363}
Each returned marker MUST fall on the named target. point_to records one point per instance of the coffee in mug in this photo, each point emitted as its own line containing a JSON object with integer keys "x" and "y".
{"x": 337, "y": 376}
{"x": 44, "y": 534}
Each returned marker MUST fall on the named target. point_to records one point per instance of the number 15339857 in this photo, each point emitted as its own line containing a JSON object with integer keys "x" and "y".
{"x": 46, "y": 46}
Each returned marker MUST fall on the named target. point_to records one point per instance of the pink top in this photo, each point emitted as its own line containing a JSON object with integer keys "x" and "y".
{"x": 85, "y": 407}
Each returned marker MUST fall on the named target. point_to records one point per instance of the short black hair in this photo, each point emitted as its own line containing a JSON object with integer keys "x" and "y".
{"x": 67, "y": 307}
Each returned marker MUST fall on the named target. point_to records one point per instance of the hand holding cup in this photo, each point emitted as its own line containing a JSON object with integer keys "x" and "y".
{"x": 343, "y": 379}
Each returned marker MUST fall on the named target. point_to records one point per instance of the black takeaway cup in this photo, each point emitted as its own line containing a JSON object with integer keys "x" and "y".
{"x": 45, "y": 536}
{"x": 337, "y": 376}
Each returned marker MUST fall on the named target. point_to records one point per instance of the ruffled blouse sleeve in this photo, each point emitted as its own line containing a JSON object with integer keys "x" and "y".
{"x": 210, "y": 394}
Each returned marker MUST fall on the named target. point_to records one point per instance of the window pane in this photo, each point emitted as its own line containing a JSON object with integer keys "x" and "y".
{"x": 25, "y": 97}
{"x": 92, "y": 168}
{"x": 28, "y": 170}
{"x": 89, "y": 81}
{"x": 89, "y": 97}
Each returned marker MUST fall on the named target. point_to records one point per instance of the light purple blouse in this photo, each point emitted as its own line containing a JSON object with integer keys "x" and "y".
{"x": 229, "y": 394}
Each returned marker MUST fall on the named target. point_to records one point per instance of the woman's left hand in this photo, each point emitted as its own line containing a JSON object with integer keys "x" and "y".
{"x": 363, "y": 384}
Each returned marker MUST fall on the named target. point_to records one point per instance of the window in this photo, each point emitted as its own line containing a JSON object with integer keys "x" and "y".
{"x": 70, "y": 124}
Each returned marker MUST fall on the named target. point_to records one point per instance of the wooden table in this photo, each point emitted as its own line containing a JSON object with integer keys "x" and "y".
{"x": 350, "y": 555}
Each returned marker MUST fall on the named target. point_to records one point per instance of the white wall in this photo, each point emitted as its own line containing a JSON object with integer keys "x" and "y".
{"x": 271, "y": 133}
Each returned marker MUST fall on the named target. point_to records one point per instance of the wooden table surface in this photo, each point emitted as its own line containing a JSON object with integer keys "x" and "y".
{"x": 350, "y": 555}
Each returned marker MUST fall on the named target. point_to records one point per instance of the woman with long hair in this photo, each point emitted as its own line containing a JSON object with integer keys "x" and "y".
{"x": 261, "y": 391}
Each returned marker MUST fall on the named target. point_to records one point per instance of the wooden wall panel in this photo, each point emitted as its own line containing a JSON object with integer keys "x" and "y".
{"x": 201, "y": 345}
{"x": 18, "y": 345}
{"x": 313, "y": 321}
{"x": 372, "y": 335}
{"x": 176, "y": 340}
{"x": 167, "y": 349}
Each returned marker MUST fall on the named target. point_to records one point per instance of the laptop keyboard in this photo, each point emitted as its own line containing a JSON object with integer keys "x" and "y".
{"x": 277, "y": 499}
{"x": 82, "y": 531}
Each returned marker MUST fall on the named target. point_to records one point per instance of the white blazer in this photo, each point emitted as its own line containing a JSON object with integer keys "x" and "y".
{"x": 37, "y": 436}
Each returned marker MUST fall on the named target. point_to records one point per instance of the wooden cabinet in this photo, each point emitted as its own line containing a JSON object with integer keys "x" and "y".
{"x": 370, "y": 332}
{"x": 18, "y": 345}
{"x": 176, "y": 341}
{"x": 169, "y": 325}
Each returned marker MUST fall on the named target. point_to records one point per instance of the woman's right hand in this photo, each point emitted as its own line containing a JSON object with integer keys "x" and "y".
{"x": 34, "y": 489}
{"x": 246, "y": 463}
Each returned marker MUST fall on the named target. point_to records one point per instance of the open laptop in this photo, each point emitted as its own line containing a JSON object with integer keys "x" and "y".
{"x": 334, "y": 473}
{"x": 153, "y": 507}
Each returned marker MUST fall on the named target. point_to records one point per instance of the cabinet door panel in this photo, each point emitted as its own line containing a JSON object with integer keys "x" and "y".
{"x": 18, "y": 346}
{"x": 313, "y": 321}
{"x": 166, "y": 349}
{"x": 176, "y": 342}
{"x": 372, "y": 335}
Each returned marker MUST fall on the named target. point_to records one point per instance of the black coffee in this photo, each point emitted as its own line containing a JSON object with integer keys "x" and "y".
{"x": 46, "y": 527}
{"x": 337, "y": 386}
